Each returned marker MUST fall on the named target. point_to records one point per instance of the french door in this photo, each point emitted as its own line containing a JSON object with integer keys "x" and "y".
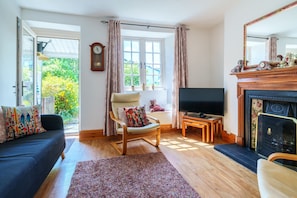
{"x": 26, "y": 93}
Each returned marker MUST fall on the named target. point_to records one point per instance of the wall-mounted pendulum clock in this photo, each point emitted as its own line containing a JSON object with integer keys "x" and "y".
{"x": 97, "y": 57}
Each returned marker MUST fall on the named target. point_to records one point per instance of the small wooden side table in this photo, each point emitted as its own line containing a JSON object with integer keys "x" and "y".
{"x": 213, "y": 124}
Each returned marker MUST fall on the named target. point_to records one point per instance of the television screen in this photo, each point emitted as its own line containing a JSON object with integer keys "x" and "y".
{"x": 202, "y": 100}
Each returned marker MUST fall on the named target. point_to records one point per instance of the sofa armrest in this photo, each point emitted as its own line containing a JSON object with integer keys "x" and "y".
{"x": 52, "y": 122}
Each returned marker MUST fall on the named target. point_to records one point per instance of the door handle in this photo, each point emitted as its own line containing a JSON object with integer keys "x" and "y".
{"x": 23, "y": 88}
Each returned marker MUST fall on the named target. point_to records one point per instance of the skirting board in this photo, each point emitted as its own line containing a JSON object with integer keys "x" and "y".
{"x": 91, "y": 134}
{"x": 95, "y": 134}
{"x": 228, "y": 137}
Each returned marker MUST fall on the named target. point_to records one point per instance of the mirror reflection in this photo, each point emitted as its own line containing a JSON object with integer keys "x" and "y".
{"x": 272, "y": 39}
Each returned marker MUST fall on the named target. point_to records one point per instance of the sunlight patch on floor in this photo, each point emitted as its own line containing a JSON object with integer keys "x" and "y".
{"x": 184, "y": 144}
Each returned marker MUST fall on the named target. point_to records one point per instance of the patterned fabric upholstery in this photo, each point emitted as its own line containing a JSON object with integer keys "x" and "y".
{"x": 21, "y": 121}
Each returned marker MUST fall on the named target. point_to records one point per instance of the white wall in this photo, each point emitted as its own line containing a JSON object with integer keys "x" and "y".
{"x": 199, "y": 57}
{"x": 235, "y": 18}
{"x": 217, "y": 56}
{"x": 8, "y": 53}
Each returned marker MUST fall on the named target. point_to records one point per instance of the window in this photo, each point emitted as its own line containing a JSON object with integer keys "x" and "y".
{"x": 142, "y": 62}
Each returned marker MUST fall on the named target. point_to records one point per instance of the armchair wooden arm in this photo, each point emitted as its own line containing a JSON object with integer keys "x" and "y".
{"x": 120, "y": 122}
{"x": 286, "y": 156}
{"x": 153, "y": 118}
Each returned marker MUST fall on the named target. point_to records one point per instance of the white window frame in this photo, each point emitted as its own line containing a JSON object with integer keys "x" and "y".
{"x": 142, "y": 62}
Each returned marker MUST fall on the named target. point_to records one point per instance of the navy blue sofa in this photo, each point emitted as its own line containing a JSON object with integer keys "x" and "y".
{"x": 26, "y": 162}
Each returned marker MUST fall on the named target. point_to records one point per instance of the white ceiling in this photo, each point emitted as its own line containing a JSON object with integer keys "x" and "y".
{"x": 200, "y": 13}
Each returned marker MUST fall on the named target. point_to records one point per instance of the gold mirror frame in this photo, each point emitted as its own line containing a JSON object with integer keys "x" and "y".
{"x": 245, "y": 67}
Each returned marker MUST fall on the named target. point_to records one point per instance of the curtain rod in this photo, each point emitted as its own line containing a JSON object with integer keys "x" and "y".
{"x": 258, "y": 37}
{"x": 145, "y": 25}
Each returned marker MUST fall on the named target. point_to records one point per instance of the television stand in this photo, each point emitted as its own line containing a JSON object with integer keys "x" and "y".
{"x": 213, "y": 125}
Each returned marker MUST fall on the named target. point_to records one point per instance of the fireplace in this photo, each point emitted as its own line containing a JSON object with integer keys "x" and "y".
{"x": 273, "y": 82}
{"x": 277, "y": 85}
{"x": 275, "y": 134}
{"x": 278, "y": 109}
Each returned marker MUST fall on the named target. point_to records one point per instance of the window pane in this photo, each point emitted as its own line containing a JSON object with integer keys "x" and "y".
{"x": 148, "y": 58}
{"x": 128, "y": 81}
{"x": 149, "y": 46}
{"x": 157, "y": 70}
{"x": 135, "y": 69}
{"x": 157, "y": 47}
{"x": 135, "y": 46}
{"x": 149, "y": 70}
{"x": 127, "y": 69}
{"x": 127, "y": 45}
{"x": 149, "y": 80}
{"x": 157, "y": 59}
{"x": 136, "y": 80}
{"x": 135, "y": 57}
{"x": 157, "y": 80}
{"x": 127, "y": 57}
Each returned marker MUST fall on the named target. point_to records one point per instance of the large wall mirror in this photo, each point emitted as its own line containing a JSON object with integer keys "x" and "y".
{"x": 272, "y": 38}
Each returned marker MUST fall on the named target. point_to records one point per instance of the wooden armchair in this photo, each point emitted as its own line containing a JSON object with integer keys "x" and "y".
{"x": 120, "y": 100}
{"x": 275, "y": 180}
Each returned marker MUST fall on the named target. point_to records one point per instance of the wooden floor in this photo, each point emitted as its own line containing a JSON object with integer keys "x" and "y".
{"x": 209, "y": 172}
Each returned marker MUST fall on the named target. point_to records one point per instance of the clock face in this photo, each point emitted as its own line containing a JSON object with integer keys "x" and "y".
{"x": 97, "y": 49}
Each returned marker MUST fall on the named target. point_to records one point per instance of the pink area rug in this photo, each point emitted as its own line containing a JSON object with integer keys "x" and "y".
{"x": 146, "y": 175}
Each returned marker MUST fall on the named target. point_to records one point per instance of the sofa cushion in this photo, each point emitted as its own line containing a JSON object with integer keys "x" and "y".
{"x": 21, "y": 121}
{"x": 25, "y": 162}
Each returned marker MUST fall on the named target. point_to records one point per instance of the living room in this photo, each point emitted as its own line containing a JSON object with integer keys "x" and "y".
{"x": 213, "y": 51}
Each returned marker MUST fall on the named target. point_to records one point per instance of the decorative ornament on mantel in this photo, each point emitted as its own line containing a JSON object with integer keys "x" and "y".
{"x": 238, "y": 67}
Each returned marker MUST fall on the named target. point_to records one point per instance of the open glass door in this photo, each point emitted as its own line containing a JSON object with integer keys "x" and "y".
{"x": 26, "y": 78}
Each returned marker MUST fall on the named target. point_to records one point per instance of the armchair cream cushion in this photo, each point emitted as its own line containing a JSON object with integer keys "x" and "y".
{"x": 275, "y": 180}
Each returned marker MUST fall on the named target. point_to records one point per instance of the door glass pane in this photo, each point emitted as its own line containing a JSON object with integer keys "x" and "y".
{"x": 26, "y": 84}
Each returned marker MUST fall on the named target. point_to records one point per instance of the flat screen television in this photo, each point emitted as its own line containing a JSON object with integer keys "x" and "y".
{"x": 202, "y": 101}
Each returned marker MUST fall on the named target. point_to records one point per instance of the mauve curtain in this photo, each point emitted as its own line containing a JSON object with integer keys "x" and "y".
{"x": 180, "y": 76}
{"x": 114, "y": 71}
{"x": 272, "y": 48}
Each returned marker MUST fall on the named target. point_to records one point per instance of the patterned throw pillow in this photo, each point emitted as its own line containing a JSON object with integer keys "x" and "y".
{"x": 21, "y": 121}
{"x": 136, "y": 116}
{"x": 2, "y": 127}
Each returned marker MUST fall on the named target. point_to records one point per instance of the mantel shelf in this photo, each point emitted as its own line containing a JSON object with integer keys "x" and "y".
{"x": 276, "y": 72}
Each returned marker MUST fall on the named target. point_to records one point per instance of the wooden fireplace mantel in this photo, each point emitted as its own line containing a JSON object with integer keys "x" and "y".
{"x": 275, "y": 79}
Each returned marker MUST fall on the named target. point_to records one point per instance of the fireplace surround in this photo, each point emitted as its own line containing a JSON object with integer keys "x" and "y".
{"x": 283, "y": 80}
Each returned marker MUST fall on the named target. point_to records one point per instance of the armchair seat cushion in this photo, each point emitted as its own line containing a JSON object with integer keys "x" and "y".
{"x": 139, "y": 130}
{"x": 275, "y": 180}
